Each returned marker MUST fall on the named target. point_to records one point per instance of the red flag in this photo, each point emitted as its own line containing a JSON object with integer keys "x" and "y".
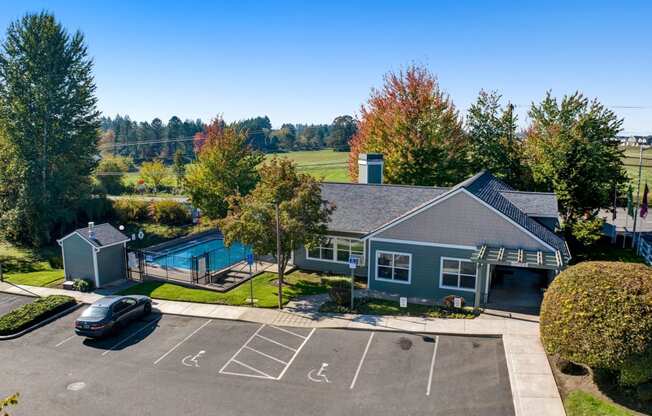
{"x": 644, "y": 203}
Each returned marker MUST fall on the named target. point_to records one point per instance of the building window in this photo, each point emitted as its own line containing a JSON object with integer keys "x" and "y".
{"x": 338, "y": 249}
{"x": 457, "y": 274}
{"x": 392, "y": 266}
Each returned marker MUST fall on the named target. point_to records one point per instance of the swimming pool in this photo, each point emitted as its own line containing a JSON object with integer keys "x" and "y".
{"x": 219, "y": 256}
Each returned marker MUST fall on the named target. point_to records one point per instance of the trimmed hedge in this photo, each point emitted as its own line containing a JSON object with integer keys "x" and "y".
{"x": 27, "y": 315}
{"x": 600, "y": 314}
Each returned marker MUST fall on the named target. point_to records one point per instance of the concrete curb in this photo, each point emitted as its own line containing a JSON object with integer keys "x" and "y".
{"x": 41, "y": 323}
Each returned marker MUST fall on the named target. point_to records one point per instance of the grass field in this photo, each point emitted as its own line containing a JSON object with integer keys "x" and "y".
{"x": 632, "y": 158}
{"x": 322, "y": 164}
{"x": 265, "y": 290}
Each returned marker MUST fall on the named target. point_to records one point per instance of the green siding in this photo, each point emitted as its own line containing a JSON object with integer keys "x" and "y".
{"x": 78, "y": 256}
{"x": 111, "y": 264}
{"x": 425, "y": 268}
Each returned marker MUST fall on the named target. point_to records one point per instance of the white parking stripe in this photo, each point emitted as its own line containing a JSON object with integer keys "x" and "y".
{"x": 246, "y": 375}
{"x": 357, "y": 372}
{"x": 266, "y": 355}
{"x": 276, "y": 342}
{"x": 64, "y": 341}
{"x": 129, "y": 337}
{"x": 432, "y": 365}
{"x": 241, "y": 348}
{"x": 182, "y": 341}
{"x": 295, "y": 354}
{"x": 288, "y": 332}
{"x": 251, "y": 368}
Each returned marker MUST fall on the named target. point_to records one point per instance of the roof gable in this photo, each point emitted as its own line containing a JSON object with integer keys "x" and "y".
{"x": 488, "y": 189}
{"x": 104, "y": 235}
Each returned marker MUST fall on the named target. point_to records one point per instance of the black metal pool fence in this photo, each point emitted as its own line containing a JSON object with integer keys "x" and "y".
{"x": 159, "y": 261}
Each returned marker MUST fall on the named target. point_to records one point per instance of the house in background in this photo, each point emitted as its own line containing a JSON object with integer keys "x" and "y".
{"x": 480, "y": 240}
{"x": 96, "y": 253}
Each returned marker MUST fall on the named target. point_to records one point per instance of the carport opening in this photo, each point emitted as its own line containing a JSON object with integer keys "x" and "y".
{"x": 517, "y": 289}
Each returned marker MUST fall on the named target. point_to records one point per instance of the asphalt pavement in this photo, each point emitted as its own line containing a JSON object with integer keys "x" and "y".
{"x": 171, "y": 365}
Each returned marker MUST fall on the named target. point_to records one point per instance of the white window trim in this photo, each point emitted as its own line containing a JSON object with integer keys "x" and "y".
{"x": 334, "y": 259}
{"x": 380, "y": 279}
{"x": 441, "y": 275}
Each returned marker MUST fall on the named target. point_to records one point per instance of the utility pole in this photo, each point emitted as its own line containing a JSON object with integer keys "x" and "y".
{"x": 278, "y": 257}
{"x": 638, "y": 194}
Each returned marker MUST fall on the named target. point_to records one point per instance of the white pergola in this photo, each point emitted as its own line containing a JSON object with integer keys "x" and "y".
{"x": 487, "y": 256}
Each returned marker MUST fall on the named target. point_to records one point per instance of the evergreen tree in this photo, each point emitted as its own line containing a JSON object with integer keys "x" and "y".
{"x": 49, "y": 116}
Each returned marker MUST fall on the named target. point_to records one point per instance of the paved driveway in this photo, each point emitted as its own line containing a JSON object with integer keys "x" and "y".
{"x": 11, "y": 302}
{"x": 170, "y": 365}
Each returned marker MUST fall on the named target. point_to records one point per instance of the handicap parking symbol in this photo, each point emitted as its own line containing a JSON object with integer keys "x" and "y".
{"x": 319, "y": 376}
{"x": 192, "y": 361}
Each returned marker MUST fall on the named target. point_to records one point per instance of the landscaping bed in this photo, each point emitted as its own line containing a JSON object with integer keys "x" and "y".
{"x": 265, "y": 290}
{"x": 31, "y": 314}
{"x": 371, "y": 306}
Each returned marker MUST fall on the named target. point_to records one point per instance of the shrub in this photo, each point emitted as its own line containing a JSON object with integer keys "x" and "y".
{"x": 169, "y": 212}
{"x": 83, "y": 285}
{"x": 599, "y": 314}
{"x": 27, "y": 315}
{"x": 587, "y": 231}
{"x": 55, "y": 262}
{"x": 449, "y": 301}
{"x": 636, "y": 370}
{"x": 340, "y": 292}
{"x": 130, "y": 209}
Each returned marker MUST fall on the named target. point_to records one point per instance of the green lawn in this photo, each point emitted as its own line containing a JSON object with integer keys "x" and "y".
{"x": 388, "y": 307}
{"x": 23, "y": 266}
{"x": 580, "y": 403}
{"x": 265, "y": 290}
{"x": 327, "y": 164}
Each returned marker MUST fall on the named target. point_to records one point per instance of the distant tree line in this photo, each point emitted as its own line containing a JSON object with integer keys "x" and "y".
{"x": 144, "y": 141}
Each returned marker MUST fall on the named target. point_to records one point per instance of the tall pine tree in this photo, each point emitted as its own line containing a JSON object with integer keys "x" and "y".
{"x": 50, "y": 122}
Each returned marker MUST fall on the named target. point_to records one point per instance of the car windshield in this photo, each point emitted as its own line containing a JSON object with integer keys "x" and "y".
{"x": 95, "y": 312}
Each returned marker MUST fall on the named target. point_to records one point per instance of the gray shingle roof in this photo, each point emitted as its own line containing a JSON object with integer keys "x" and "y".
{"x": 489, "y": 189}
{"x": 534, "y": 204}
{"x": 105, "y": 235}
{"x": 361, "y": 208}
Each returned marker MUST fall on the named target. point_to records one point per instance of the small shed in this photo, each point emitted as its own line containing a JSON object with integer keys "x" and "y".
{"x": 97, "y": 253}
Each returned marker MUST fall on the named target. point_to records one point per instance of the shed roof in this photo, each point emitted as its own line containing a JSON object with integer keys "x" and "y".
{"x": 103, "y": 235}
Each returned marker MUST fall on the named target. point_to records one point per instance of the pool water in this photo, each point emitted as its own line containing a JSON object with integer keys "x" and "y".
{"x": 219, "y": 256}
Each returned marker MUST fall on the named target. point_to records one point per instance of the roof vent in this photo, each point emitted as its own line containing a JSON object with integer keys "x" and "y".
{"x": 91, "y": 230}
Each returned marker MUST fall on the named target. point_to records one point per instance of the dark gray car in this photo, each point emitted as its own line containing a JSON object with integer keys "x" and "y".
{"x": 110, "y": 314}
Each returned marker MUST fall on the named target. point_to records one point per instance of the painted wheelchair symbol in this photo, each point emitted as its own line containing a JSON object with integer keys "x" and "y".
{"x": 319, "y": 376}
{"x": 192, "y": 361}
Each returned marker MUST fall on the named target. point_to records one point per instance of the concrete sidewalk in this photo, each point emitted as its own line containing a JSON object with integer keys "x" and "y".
{"x": 533, "y": 386}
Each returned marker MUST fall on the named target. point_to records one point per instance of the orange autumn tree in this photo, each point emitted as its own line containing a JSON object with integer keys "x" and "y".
{"x": 417, "y": 129}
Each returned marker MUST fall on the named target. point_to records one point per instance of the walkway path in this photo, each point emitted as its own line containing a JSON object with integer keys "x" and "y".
{"x": 533, "y": 386}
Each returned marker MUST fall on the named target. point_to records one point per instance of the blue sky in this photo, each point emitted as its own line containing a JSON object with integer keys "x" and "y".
{"x": 309, "y": 61}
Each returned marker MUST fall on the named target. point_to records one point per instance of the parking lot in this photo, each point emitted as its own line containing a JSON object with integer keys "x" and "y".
{"x": 174, "y": 365}
{"x": 11, "y": 302}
